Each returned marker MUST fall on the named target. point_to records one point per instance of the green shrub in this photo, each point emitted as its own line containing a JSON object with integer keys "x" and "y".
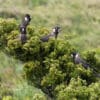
{"x": 33, "y": 72}
{"x": 6, "y": 26}
{"x": 39, "y": 97}
{"x": 49, "y": 64}
{"x": 78, "y": 90}
{"x": 7, "y": 98}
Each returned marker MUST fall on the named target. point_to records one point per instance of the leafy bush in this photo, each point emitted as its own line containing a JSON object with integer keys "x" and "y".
{"x": 6, "y": 26}
{"x": 78, "y": 90}
{"x": 39, "y": 97}
{"x": 48, "y": 65}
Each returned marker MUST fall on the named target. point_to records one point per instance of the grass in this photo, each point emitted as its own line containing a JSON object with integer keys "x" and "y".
{"x": 12, "y": 82}
{"x": 78, "y": 16}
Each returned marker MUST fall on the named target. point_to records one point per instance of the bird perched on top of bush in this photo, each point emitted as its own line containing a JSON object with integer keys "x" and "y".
{"x": 78, "y": 60}
{"x": 26, "y": 20}
{"x": 54, "y": 33}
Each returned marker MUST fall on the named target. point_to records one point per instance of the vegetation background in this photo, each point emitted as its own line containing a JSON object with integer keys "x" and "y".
{"x": 79, "y": 21}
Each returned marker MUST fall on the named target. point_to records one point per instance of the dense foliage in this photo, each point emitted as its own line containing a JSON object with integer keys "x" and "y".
{"x": 49, "y": 66}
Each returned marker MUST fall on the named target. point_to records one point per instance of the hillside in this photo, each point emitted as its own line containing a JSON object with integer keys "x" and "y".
{"x": 12, "y": 82}
{"x": 79, "y": 21}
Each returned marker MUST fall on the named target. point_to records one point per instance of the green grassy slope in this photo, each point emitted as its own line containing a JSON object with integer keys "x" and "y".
{"x": 11, "y": 81}
{"x": 79, "y": 19}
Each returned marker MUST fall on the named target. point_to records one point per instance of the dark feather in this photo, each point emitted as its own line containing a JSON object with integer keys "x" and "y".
{"x": 78, "y": 60}
{"x": 54, "y": 33}
{"x": 23, "y": 38}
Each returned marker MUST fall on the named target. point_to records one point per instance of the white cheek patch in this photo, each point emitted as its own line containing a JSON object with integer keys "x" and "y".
{"x": 54, "y": 30}
{"x": 23, "y": 29}
{"x": 76, "y": 55}
{"x": 26, "y": 19}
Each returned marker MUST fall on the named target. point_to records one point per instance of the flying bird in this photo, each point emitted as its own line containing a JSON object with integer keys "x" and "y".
{"x": 54, "y": 33}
